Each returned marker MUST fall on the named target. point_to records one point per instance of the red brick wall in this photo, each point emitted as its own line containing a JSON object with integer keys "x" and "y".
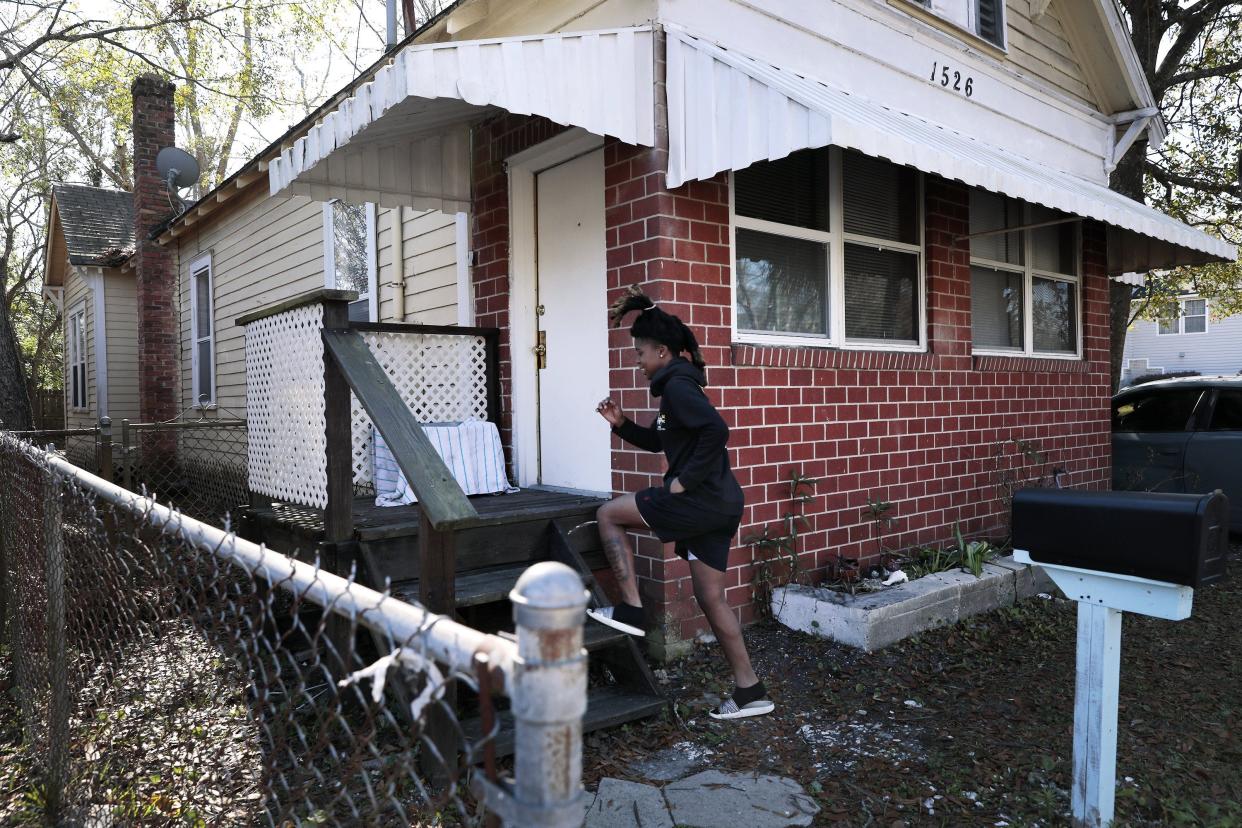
{"x": 919, "y": 430}
{"x": 158, "y": 344}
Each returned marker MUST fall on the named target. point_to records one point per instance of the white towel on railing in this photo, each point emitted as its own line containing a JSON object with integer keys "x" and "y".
{"x": 470, "y": 449}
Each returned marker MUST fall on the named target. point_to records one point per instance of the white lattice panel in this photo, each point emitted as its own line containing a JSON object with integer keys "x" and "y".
{"x": 441, "y": 377}
{"x": 284, "y": 406}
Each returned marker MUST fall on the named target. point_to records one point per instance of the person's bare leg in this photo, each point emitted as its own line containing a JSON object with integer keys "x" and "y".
{"x": 709, "y": 592}
{"x": 615, "y": 517}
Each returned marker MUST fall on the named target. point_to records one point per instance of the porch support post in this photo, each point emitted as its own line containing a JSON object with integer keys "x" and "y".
{"x": 338, "y": 516}
{"x": 437, "y": 591}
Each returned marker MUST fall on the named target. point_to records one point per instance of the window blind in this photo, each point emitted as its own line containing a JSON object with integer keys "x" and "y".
{"x": 881, "y": 289}
{"x": 880, "y": 199}
{"x": 792, "y": 190}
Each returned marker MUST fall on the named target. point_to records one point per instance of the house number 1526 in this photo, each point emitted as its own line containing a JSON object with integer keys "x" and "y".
{"x": 951, "y": 78}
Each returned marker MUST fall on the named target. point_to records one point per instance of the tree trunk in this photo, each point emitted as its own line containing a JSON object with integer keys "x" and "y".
{"x": 1127, "y": 179}
{"x": 14, "y": 402}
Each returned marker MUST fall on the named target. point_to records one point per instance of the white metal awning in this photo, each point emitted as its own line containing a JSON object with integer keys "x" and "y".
{"x": 727, "y": 110}
{"x": 403, "y": 137}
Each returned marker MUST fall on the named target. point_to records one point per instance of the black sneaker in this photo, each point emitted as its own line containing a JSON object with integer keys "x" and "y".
{"x": 623, "y": 617}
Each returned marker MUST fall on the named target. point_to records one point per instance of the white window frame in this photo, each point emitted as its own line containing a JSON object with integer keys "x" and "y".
{"x": 1181, "y": 318}
{"x": 201, "y": 267}
{"x": 329, "y": 257}
{"x": 75, "y": 353}
{"x": 835, "y": 238}
{"x": 971, "y": 27}
{"x": 1029, "y": 272}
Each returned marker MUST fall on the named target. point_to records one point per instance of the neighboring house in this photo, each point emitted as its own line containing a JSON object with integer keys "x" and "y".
{"x": 887, "y": 221}
{"x": 233, "y": 251}
{"x": 90, "y": 238}
{"x": 1191, "y": 341}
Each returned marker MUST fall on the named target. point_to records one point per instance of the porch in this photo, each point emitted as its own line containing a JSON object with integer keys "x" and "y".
{"x": 332, "y": 403}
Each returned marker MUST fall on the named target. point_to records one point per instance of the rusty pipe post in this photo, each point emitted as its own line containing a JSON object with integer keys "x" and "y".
{"x": 549, "y": 697}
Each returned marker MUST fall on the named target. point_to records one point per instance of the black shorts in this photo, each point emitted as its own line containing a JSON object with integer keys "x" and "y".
{"x": 697, "y": 532}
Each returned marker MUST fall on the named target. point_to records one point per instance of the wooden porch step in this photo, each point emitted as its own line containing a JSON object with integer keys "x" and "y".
{"x": 482, "y": 586}
{"x": 606, "y": 707}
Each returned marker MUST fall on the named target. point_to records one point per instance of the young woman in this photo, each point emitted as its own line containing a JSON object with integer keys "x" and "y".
{"x": 700, "y": 504}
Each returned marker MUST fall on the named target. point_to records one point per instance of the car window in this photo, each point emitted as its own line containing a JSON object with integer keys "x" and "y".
{"x": 1228, "y": 413}
{"x": 1157, "y": 410}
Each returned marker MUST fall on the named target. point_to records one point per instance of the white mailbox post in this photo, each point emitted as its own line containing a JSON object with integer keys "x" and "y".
{"x": 1102, "y": 597}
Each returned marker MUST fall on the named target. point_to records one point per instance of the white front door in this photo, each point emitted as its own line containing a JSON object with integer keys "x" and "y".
{"x": 572, "y": 312}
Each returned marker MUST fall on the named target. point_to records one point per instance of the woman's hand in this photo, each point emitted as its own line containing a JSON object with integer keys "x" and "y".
{"x": 611, "y": 412}
{"x": 675, "y": 487}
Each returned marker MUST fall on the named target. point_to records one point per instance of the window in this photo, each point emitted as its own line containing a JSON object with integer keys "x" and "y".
{"x": 202, "y": 333}
{"x": 75, "y": 349}
{"x": 1227, "y": 415}
{"x": 828, "y": 251}
{"x": 985, "y": 18}
{"x": 1191, "y": 318}
{"x": 1024, "y": 284}
{"x": 349, "y": 255}
{"x": 1161, "y": 410}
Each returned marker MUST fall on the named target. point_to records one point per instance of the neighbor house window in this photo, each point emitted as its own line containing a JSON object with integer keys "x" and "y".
{"x": 1191, "y": 318}
{"x": 75, "y": 347}
{"x": 202, "y": 334}
{"x": 1024, "y": 284}
{"x": 828, "y": 250}
{"x": 349, "y": 255}
{"x": 985, "y": 18}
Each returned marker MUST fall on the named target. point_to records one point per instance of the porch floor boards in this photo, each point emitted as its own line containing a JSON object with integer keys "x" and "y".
{"x": 373, "y": 522}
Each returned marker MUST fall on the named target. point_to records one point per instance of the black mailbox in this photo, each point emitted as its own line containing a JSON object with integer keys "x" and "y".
{"x": 1177, "y": 538}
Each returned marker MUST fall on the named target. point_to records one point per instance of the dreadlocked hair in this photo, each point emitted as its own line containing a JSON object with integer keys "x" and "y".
{"x": 655, "y": 324}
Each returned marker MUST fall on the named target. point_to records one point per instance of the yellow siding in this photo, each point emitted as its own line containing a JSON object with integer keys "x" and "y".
{"x": 265, "y": 251}
{"x": 429, "y": 253}
{"x": 1038, "y": 48}
{"x": 269, "y": 249}
{"x": 77, "y": 294}
{"x": 121, "y": 320}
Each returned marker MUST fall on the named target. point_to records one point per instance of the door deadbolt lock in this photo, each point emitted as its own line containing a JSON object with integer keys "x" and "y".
{"x": 541, "y": 351}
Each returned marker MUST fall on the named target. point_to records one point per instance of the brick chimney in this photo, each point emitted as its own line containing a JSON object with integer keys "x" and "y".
{"x": 154, "y": 129}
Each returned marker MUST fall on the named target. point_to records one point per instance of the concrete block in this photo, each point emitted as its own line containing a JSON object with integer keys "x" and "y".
{"x": 874, "y": 620}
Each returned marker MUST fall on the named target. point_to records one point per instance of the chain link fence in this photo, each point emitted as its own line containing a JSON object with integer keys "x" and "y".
{"x": 162, "y": 671}
{"x": 198, "y": 466}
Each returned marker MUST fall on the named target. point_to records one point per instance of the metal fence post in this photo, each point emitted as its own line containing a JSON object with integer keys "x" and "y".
{"x": 127, "y": 466}
{"x": 549, "y": 699}
{"x": 105, "y": 448}
{"x": 58, "y": 708}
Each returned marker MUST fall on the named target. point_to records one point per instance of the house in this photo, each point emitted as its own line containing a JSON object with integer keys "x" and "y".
{"x": 887, "y": 221}
{"x": 90, "y": 237}
{"x": 1191, "y": 341}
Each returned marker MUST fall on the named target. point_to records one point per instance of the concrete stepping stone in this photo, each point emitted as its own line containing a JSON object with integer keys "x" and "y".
{"x": 621, "y": 804}
{"x": 711, "y": 799}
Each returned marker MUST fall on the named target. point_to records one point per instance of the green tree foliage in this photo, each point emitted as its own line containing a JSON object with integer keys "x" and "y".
{"x": 1191, "y": 53}
{"x": 243, "y": 69}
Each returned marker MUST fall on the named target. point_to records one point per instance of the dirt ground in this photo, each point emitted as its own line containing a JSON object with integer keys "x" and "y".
{"x": 971, "y": 724}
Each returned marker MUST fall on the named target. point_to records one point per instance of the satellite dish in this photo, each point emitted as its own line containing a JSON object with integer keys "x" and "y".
{"x": 177, "y": 167}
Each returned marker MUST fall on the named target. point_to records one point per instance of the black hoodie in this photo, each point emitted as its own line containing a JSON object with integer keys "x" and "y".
{"x": 692, "y": 436}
